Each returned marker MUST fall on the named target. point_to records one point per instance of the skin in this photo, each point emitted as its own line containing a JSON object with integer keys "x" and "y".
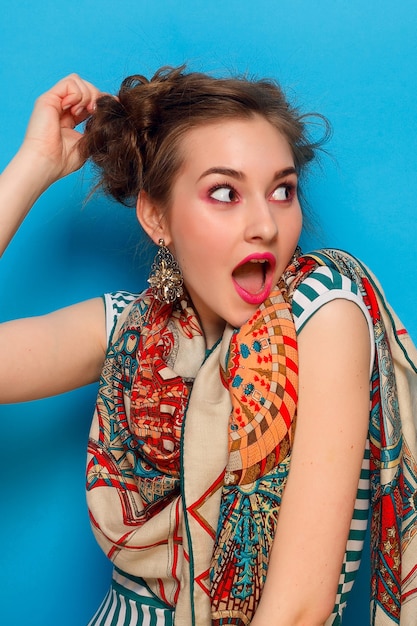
{"x": 212, "y": 229}
{"x": 234, "y": 198}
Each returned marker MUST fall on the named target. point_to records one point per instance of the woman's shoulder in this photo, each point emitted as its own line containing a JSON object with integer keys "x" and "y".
{"x": 321, "y": 286}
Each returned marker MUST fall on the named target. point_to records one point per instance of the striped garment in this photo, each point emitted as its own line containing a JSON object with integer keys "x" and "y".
{"x": 129, "y": 601}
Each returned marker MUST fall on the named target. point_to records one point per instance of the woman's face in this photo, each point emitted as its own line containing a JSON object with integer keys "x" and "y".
{"x": 234, "y": 219}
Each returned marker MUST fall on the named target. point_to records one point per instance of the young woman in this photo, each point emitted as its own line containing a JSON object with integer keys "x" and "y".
{"x": 229, "y": 457}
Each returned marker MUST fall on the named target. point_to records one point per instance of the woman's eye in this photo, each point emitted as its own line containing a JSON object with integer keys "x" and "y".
{"x": 223, "y": 194}
{"x": 282, "y": 193}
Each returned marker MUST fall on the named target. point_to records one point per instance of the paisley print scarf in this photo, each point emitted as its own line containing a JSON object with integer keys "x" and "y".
{"x": 189, "y": 453}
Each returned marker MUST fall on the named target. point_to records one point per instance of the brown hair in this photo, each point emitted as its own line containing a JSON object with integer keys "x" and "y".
{"x": 134, "y": 138}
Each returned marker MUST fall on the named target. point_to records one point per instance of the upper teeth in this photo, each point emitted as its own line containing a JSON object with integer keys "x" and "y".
{"x": 258, "y": 261}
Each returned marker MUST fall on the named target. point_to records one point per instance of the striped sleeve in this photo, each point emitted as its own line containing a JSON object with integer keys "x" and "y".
{"x": 115, "y": 303}
{"x": 322, "y": 286}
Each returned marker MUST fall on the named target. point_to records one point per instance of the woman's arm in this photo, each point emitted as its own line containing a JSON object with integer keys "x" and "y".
{"x": 318, "y": 501}
{"x": 49, "y": 150}
{"x": 50, "y": 354}
{"x": 54, "y": 353}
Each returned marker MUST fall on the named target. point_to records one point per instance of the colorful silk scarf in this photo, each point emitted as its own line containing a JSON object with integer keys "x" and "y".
{"x": 189, "y": 453}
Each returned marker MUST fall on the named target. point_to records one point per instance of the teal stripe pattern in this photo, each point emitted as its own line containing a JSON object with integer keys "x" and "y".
{"x": 129, "y": 602}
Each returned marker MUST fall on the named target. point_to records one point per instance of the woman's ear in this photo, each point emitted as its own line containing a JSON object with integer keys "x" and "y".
{"x": 151, "y": 219}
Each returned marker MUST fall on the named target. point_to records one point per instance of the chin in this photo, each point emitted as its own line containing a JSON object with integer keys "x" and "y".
{"x": 239, "y": 320}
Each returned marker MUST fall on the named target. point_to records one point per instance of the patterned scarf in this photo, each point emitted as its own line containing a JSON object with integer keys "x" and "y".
{"x": 189, "y": 453}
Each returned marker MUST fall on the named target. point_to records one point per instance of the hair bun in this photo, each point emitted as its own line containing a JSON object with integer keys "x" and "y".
{"x": 110, "y": 141}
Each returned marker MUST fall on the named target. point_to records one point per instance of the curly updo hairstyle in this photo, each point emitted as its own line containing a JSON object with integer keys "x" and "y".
{"x": 134, "y": 139}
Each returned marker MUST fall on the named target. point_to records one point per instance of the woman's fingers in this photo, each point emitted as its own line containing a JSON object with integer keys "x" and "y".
{"x": 50, "y": 133}
{"x": 77, "y": 95}
{"x": 73, "y": 99}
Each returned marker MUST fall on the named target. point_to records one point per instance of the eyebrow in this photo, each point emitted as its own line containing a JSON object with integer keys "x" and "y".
{"x": 227, "y": 171}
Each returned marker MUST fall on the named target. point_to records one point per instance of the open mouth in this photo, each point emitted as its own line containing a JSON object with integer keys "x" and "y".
{"x": 253, "y": 278}
{"x": 251, "y": 275}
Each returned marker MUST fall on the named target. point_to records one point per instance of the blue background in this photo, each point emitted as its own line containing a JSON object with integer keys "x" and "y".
{"x": 353, "y": 61}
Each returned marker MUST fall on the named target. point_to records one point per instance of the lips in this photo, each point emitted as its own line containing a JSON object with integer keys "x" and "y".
{"x": 252, "y": 278}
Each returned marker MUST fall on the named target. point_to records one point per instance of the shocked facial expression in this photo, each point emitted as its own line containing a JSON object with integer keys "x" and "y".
{"x": 234, "y": 219}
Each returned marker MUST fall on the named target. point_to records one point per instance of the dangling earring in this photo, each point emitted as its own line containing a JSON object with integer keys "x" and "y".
{"x": 166, "y": 277}
{"x": 297, "y": 252}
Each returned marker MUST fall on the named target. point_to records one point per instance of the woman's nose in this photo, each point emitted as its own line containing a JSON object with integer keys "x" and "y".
{"x": 261, "y": 221}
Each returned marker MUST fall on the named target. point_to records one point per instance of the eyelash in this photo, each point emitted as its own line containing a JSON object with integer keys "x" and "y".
{"x": 290, "y": 187}
{"x": 217, "y": 186}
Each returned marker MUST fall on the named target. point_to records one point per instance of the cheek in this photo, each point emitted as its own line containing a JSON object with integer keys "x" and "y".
{"x": 299, "y": 226}
{"x": 190, "y": 251}
{"x": 298, "y": 221}
{"x": 292, "y": 227}
{"x": 194, "y": 239}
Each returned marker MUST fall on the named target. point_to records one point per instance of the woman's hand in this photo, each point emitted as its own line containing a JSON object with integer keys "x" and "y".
{"x": 49, "y": 150}
{"x": 51, "y": 134}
